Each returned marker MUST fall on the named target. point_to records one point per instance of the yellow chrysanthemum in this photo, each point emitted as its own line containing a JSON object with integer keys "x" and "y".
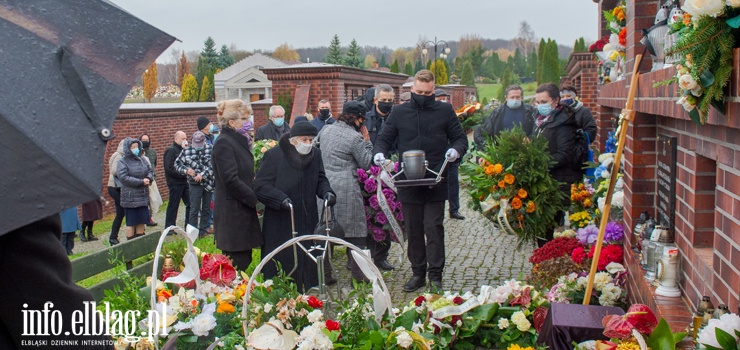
{"x": 498, "y": 168}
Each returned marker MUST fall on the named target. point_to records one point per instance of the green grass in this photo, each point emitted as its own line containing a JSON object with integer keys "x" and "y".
{"x": 492, "y": 90}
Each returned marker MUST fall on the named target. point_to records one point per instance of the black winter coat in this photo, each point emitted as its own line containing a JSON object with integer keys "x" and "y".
{"x": 585, "y": 120}
{"x": 171, "y": 174}
{"x": 131, "y": 171}
{"x": 286, "y": 174}
{"x": 270, "y": 131}
{"x": 560, "y": 131}
{"x": 494, "y": 124}
{"x": 235, "y": 218}
{"x": 430, "y": 129}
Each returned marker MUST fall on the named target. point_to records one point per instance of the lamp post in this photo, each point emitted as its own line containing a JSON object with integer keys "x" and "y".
{"x": 437, "y": 44}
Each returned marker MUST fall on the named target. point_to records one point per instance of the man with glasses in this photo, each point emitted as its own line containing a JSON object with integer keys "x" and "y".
{"x": 275, "y": 127}
{"x": 427, "y": 125}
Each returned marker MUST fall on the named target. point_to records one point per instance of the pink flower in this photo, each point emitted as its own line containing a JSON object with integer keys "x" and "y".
{"x": 381, "y": 218}
{"x": 392, "y": 205}
{"x": 370, "y": 185}
{"x": 361, "y": 175}
{"x": 378, "y": 234}
{"x": 374, "y": 170}
{"x": 389, "y": 194}
{"x": 373, "y": 202}
{"x": 395, "y": 167}
{"x": 399, "y": 216}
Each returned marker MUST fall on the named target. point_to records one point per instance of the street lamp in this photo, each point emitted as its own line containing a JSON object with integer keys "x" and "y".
{"x": 437, "y": 44}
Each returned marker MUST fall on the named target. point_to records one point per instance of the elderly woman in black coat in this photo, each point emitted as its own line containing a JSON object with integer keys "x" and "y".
{"x": 292, "y": 174}
{"x": 135, "y": 175}
{"x": 235, "y": 221}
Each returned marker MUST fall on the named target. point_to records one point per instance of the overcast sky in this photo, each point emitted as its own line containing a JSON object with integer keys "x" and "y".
{"x": 254, "y": 24}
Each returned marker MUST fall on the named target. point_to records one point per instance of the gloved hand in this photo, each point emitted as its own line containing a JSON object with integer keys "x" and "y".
{"x": 287, "y": 203}
{"x": 330, "y": 198}
{"x": 452, "y": 155}
{"x": 379, "y": 159}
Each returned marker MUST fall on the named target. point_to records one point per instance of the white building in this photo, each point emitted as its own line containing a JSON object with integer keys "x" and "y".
{"x": 244, "y": 80}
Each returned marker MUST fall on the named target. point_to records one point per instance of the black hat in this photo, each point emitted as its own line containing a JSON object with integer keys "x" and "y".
{"x": 303, "y": 129}
{"x": 300, "y": 118}
{"x": 440, "y": 92}
{"x": 355, "y": 108}
{"x": 203, "y": 122}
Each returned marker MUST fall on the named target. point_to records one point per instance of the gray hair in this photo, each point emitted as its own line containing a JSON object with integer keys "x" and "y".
{"x": 512, "y": 87}
{"x": 382, "y": 88}
{"x": 275, "y": 108}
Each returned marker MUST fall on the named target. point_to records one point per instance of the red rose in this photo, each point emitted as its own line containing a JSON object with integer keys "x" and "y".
{"x": 455, "y": 319}
{"x": 458, "y": 300}
{"x": 314, "y": 303}
{"x": 332, "y": 325}
{"x": 420, "y": 299}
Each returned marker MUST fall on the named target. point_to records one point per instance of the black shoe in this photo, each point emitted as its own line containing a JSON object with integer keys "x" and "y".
{"x": 330, "y": 281}
{"x": 414, "y": 283}
{"x": 435, "y": 286}
{"x": 82, "y": 237}
{"x": 113, "y": 241}
{"x": 90, "y": 237}
{"x": 385, "y": 265}
{"x": 151, "y": 223}
{"x": 456, "y": 215}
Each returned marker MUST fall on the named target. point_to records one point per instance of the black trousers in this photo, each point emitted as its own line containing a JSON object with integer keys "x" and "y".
{"x": 379, "y": 250}
{"x": 453, "y": 186}
{"x": 426, "y": 245}
{"x": 115, "y": 193}
{"x": 178, "y": 193}
{"x": 35, "y": 270}
{"x": 559, "y": 217}
{"x": 240, "y": 259}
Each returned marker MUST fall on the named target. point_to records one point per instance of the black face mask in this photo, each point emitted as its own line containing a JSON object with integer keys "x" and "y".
{"x": 385, "y": 107}
{"x": 324, "y": 114}
{"x": 145, "y": 144}
{"x": 422, "y": 101}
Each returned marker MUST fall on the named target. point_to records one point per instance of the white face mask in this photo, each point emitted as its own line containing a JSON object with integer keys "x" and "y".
{"x": 303, "y": 148}
{"x": 184, "y": 144}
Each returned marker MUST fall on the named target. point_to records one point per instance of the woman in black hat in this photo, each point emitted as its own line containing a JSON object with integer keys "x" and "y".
{"x": 292, "y": 174}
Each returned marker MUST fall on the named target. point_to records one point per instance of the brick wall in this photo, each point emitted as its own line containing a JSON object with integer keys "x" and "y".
{"x": 160, "y": 121}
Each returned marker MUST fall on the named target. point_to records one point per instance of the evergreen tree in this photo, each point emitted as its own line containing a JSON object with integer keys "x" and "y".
{"x": 149, "y": 80}
{"x": 509, "y": 78}
{"x": 207, "y": 60}
{"x": 519, "y": 63}
{"x": 418, "y": 65}
{"x": 551, "y": 64}
{"x": 468, "y": 77}
{"x": 475, "y": 56}
{"x": 458, "y": 63}
{"x": 408, "y": 69}
{"x": 182, "y": 68}
{"x": 394, "y": 66}
{"x": 335, "y": 55}
{"x": 224, "y": 57}
{"x": 579, "y": 45}
{"x": 440, "y": 72}
{"x": 354, "y": 57}
{"x": 189, "y": 89}
{"x": 532, "y": 65}
{"x": 205, "y": 90}
{"x": 383, "y": 63}
{"x": 540, "y": 57}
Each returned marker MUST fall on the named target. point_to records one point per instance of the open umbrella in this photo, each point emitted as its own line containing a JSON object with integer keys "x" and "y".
{"x": 65, "y": 68}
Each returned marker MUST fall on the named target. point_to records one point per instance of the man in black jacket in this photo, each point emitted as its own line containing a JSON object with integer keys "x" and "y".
{"x": 275, "y": 127}
{"x": 506, "y": 116}
{"x": 176, "y": 182}
{"x": 428, "y": 125}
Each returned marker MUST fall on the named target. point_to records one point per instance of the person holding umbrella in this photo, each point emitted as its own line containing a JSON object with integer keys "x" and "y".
{"x": 292, "y": 175}
{"x": 237, "y": 228}
{"x": 135, "y": 175}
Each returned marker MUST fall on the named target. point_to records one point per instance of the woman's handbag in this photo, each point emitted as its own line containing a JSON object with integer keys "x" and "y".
{"x": 335, "y": 230}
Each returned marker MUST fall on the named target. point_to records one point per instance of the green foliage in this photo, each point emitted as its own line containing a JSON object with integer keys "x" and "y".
{"x": 440, "y": 72}
{"x": 354, "y": 56}
{"x": 128, "y": 297}
{"x": 540, "y": 58}
{"x": 284, "y": 99}
{"x": 383, "y": 63}
{"x": 206, "y": 90}
{"x": 207, "y": 62}
{"x": 580, "y": 45}
{"x": 509, "y": 78}
{"x": 408, "y": 69}
{"x": 418, "y": 65}
{"x": 335, "y": 55}
{"x": 394, "y": 66}
{"x": 532, "y": 65}
{"x": 189, "y": 89}
{"x": 518, "y": 63}
{"x": 663, "y": 338}
{"x": 224, "y": 58}
{"x": 551, "y": 68}
{"x": 472, "y": 120}
{"x": 467, "y": 77}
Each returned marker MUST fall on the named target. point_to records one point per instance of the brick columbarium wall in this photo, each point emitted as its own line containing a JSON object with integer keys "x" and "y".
{"x": 160, "y": 121}
{"x": 334, "y": 83}
{"x": 706, "y": 171}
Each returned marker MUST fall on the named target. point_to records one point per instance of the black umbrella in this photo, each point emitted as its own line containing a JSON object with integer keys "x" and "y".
{"x": 65, "y": 68}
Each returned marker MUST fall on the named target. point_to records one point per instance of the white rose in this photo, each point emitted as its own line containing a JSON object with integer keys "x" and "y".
{"x": 698, "y": 8}
{"x": 615, "y": 267}
{"x": 581, "y": 282}
{"x": 602, "y": 279}
{"x": 268, "y": 307}
{"x": 202, "y": 324}
{"x": 315, "y": 316}
{"x": 518, "y": 317}
{"x": 687, "y": 82}
{"x": 403, "y": 339}
{"x": 503, "y": 323}
{"x": 618, "y": 199}
{"x": 606, "y": 299}
{"x": 523, "y": 325}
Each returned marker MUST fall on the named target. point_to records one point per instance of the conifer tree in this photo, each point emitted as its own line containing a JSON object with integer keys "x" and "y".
{"x": 224, "y": 58}
{"x": 354, "y": 57}
{"x": 439, "y": 70}
{"x": 468, "y": 75}
{"x": 418, "y": 65}
{"x": 335, "y": 55}
{"x": 394, "y": 66}
{"x": 540, "y": 57}
{"x": 207, "y": 61}
{"x": 509, "y": 78}
{"x": 205, "y": 90}
{"x": 182, "y": 68}
{"x": 551, "y": 64}
{"x": 383, "y": 63}
{"x": 189, "y": 89}
{"x": 532, "y": 65}
{"x": 149, "y": 80}
{"x": 408, "y": 69}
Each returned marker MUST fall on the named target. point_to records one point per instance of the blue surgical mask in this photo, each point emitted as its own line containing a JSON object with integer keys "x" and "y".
{"x": 215, "y": 136}
{"x": 514, "y": 104}
{"x": 212, "y": 129}
{"x": 568, "y": 101}
{"x": 279, "y": 122}
{"x": 135, "y": 151}
{"x": 544, "y": 109}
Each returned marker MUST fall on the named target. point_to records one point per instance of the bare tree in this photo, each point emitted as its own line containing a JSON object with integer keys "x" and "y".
{"x": 525, "y": 39}
{"x": 467, "y": 42}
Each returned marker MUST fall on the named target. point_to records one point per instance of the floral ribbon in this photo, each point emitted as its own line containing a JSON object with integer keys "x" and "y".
{"x": 383, "y": 202}
{"x": 456, "y": 309}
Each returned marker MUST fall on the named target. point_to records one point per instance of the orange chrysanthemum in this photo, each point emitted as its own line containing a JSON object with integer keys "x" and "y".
{"x": 530, "y": 207}
{"x": 623, "y": 37}
{"x": 501, "y": 184}
{"x": 686, "y": 19}
{"x": 489, "y": 170}
{"x": 516, "y": 203}
{"x": 225, "y": 308}
{"x": 522, "y": 193}
{"x": 619, "y": 13}
{"x": 587, "y": 202}
{"x": 509, "y": 179}
{"x": 498, "y": 168}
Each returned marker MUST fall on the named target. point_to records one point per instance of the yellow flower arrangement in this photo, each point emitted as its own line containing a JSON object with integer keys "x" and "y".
{"x": 517, "y": 347}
